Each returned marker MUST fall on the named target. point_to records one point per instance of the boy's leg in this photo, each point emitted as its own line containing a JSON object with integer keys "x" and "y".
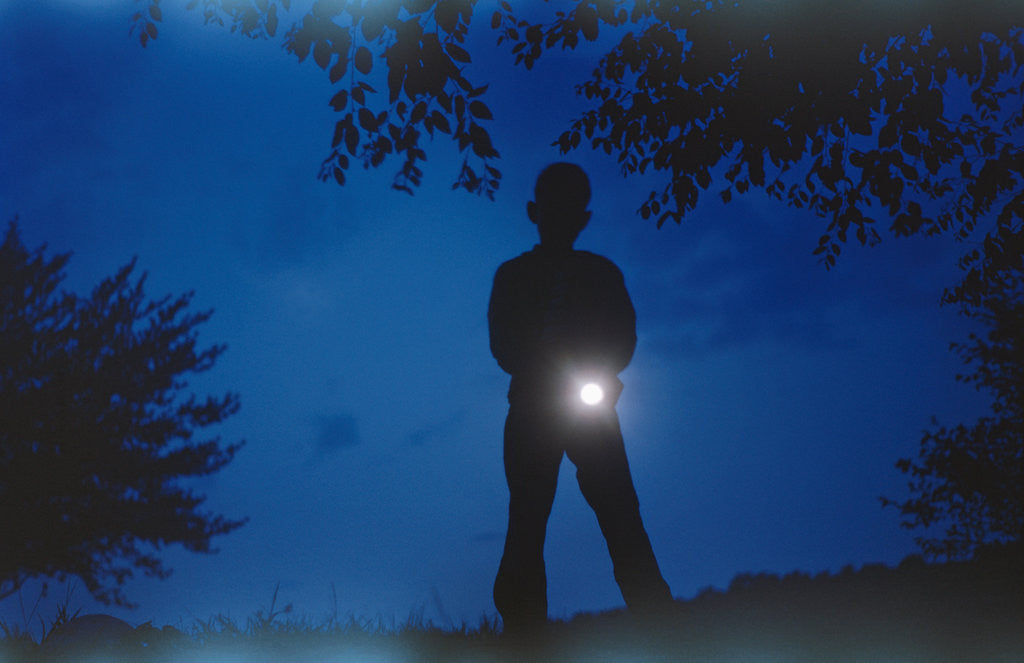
{"x": 603, "y": 474}
{"x": 531, "y": 469}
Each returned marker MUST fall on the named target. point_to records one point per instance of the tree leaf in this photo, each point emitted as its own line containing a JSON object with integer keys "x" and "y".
{"x": 418, "y": 112}
{"x": 367, "y": 120}
{"x": 457, "y": 53}
{"x": 441, "y": 122}
{"x": 338, "y": 70}
{"x": 272, "y": 21}
{"x": 322, "y": 53}
{"x": 480, "y": 110}
{"x": 481, "y": 142}
{"x": 364, "y": 60}
{"x": 351, "y": 139}
{"x": 586, "y": 18}
{"x": 340, "y": 100}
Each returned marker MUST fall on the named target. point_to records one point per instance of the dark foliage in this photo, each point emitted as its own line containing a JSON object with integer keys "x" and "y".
{"x": 969, "y": 480}
{"x": 856, "y": 110}
{"x": 96, "y": 427}
{"x": 422, "y": 89}
{"x": 849, "y": 109}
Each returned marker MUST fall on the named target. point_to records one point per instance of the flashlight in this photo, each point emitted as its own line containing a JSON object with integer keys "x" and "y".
{"x": 591, "y": 393}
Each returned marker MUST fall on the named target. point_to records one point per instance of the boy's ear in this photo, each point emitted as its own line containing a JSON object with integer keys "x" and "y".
{"x": 531, "y": 211}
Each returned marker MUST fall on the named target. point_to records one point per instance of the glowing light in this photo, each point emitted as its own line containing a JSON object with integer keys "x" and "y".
{"x": 591, "y": 393}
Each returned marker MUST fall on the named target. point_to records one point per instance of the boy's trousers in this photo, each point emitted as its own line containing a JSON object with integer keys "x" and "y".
{"x": 536, "y": 436}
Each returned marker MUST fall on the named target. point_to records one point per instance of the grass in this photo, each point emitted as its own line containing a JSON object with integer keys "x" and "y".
{"x": 963, "y": 611}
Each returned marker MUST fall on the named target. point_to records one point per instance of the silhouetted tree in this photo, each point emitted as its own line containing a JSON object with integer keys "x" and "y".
{"x": 968, "y": 481}
{"x": 854, "y": 109}
{"x": 96, "y": 428}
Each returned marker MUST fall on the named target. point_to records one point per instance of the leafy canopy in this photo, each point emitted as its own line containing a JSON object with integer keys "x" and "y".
{"x": 860, "y": 110}
{"x": 98, "y": 428}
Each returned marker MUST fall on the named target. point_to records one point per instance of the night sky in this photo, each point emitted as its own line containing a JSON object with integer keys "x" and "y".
{"x": 764, "y": 409}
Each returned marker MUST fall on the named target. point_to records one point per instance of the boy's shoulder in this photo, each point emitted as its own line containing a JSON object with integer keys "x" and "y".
{"x": 537, "y": 256}
{"x": 588, "y": 258}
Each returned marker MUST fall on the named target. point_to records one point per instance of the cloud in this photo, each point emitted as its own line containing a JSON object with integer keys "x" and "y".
{"x": 489, "y": 536}
{"x": 438, "y": 431}
{"x": 296, "y": 221}
{"x": 749, "y": 275}
{"x": 336, "y": 432}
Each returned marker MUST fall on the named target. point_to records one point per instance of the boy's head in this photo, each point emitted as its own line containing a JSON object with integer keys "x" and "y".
{"x": 559, "y": 207}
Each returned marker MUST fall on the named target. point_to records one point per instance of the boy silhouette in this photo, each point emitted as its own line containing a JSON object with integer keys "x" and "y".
{"x": 560, "y": 318}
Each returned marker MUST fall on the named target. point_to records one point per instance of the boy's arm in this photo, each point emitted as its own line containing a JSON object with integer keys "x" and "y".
{"x": 620, "y": 332}
{"x": 504, "y": 322}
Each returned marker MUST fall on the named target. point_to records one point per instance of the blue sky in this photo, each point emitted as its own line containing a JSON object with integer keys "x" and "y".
{"x": 765, "y": 406}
